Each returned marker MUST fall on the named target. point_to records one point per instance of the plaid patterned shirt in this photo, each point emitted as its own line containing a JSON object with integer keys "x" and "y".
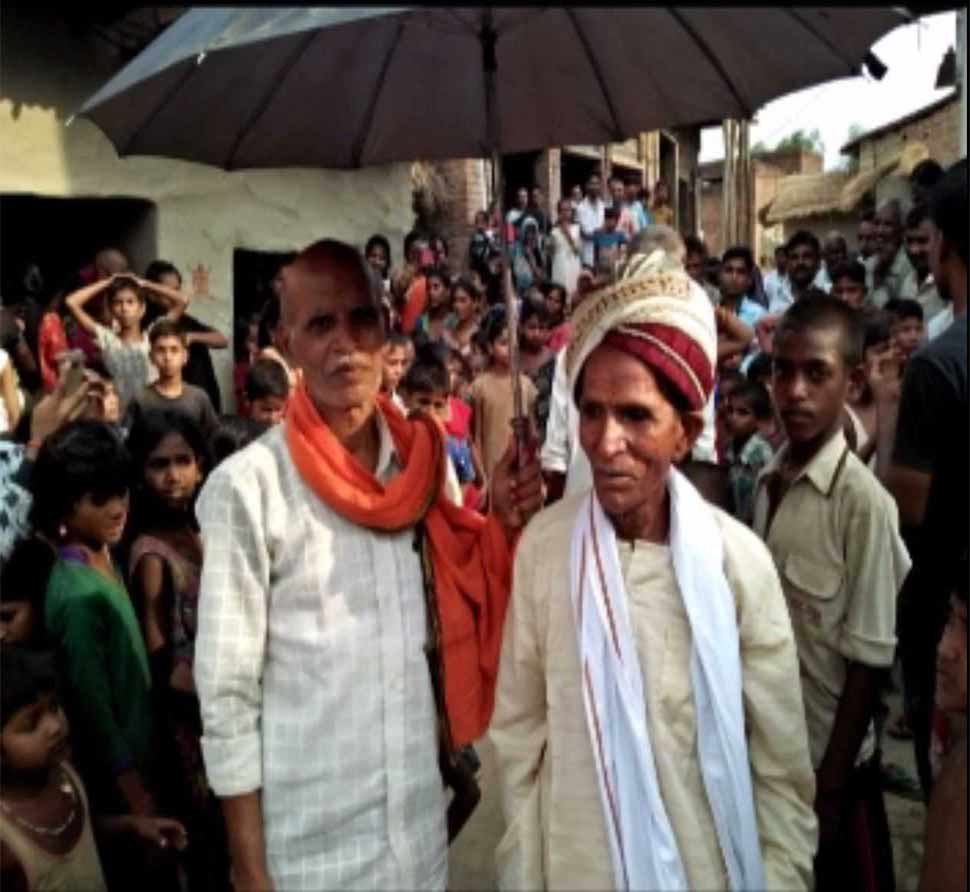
{"x": 313, "y": 681}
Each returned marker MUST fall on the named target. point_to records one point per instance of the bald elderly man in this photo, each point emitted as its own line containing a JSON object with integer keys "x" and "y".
{"x": 889, "y": 267}
{"x": 333, "y": 566}
{"x": 835, "y": 252}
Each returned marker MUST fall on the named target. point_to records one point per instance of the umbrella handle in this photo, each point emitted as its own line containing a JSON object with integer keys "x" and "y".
{"x": 520, "y": 422}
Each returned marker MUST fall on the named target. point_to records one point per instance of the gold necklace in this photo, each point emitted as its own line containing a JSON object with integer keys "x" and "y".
{"x": 67, "y": 788}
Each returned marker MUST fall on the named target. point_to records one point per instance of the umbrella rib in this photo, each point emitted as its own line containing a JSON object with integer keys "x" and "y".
{"x": 358, "y": 146}
{"x": 821, "y": 38}
{"x": 267, "y": 98}
{"x": 712, "y": 58}
{"x": 126, "y": 149}
{"x": 617, "y": 133}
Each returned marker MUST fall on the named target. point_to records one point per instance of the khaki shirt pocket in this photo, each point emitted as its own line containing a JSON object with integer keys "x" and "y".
{"x": 812, "y": 589}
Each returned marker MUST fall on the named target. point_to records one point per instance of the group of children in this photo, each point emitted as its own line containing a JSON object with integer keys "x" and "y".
{"x": 108, "y": 585}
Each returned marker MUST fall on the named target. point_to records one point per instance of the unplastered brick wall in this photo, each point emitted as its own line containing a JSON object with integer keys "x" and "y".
{"x": 939, "y": 131}
{"x": 466, "y": 191}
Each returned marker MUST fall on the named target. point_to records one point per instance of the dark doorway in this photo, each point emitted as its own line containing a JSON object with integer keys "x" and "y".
{"x": 576, "y": 170}
{"x": 252, "y": 276}
{"x": 518, "y": 170}
{"x": 629, "y": 173}
{"x": 62, "y": 235}
{"x": 668, "y": 172}
{"x": 685, "y": 207}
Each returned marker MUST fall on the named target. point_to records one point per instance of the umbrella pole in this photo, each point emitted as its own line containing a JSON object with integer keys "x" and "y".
{"x": 520, "y": 423}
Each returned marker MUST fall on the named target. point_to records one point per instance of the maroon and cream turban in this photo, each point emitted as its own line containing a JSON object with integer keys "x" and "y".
{"x": 657, "y": 313}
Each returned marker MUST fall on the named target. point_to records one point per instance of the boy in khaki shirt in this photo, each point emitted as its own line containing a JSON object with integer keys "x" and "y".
{"x": 833, "y": 532}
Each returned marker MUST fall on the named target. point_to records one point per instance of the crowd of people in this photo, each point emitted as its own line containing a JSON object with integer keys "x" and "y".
{"x": 255, "y": 649}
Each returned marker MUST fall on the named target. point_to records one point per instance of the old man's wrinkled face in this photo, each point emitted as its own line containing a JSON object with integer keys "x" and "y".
{"x": 629, "y": 430}
{"x": 332, "y": 329}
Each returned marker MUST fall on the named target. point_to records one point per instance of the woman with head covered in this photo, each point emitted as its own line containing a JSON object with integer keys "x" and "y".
{"x": 648, "y": 719}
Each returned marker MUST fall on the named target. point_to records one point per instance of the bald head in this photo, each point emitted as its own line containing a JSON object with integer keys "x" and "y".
{"x": 658, "y": 236}
{"x": 834, "y": 250}
{"x": 331, "y": 265}
{"x": 891, "y": 211}
{"x": 889, "y": 231}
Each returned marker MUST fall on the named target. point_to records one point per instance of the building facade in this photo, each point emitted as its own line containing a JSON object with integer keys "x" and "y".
{"x": 881, "y": 156}
{"x": 768, "y": 170}
{"x": 464, "y": 186}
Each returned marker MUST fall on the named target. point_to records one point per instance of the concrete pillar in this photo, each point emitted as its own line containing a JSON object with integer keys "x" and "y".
{"x": 548, "y": 177}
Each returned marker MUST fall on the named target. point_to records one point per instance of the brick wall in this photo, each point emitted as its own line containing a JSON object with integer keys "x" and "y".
{"x": 797, "y": 161}
{"x": 466, "y": 191}
{"x": 548, "y": 177}
{"x": 710, "y": 222}
{"x": 765, "y": 178}
{"x": 939, "y": 131}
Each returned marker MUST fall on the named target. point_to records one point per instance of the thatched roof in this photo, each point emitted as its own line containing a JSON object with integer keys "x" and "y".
{"x": 804, "y": 195}
{"x": 900, "y": 163}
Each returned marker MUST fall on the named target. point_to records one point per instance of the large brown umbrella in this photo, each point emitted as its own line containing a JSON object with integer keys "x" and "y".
{"x": 349, "y": 87}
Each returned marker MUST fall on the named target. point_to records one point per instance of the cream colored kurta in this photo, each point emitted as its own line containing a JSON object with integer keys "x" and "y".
{"x": 556, "y": 837}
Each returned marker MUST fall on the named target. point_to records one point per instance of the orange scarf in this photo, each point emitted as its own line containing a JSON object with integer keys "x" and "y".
{"x": 470, "y": 554}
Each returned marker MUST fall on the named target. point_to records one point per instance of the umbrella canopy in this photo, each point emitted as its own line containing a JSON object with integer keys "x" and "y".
{"x": 349, "y": 87}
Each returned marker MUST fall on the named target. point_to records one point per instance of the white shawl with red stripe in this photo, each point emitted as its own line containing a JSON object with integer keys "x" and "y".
{"x": 643, "y": 847}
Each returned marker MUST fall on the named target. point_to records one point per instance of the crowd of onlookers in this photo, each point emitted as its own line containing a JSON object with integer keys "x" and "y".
{"x": 113, "y": 417}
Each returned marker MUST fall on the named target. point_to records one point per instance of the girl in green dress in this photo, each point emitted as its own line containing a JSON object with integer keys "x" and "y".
{"x": 81, "y": 483}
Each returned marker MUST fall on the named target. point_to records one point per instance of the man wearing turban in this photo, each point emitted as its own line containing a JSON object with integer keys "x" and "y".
{"x": 648, "y": 720}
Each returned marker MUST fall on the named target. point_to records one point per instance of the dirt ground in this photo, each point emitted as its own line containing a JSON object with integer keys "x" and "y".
{"x": 472, "y": 865}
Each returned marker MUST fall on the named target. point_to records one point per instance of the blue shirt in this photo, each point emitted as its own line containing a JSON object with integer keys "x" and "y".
{"x": 607, "y": 245}
{"x": 750, "y": 311}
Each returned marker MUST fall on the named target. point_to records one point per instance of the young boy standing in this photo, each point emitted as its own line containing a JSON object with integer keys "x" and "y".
{"x": 877, "y": 348}
{"x": 849, "y": 283}
{"x": 609, "y": 243}
{"x": 427, "y": 388}
{"x": 749, "y": 406}
{"x": 125, "y": 353}
{"x": 267, "y": 390}
{"x": 169, "y": 354}
{"x": 491, "y": 394}
{"x": 907, "y": 326}
{"x": 736, "y": 314}
{"x": 395, "y": 364}
{"x": 833, "y": 532}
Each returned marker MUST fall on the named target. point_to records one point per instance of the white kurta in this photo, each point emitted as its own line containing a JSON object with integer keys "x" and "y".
{"x": 556, "y": 836}
{"x": 589, "y": 216}
{"x": 313, "y": 681}
{"x": 566, "y": 262}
